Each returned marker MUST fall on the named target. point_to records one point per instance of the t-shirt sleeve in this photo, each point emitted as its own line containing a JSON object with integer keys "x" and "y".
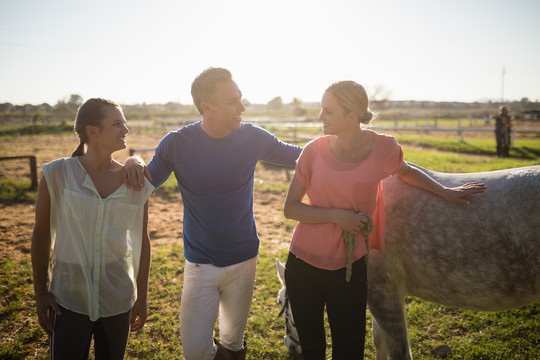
{"x": 304, "y": 165}
{"x": 393, "y": 155}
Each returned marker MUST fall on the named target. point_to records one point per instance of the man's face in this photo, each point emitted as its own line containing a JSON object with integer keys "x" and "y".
{"x": 226, "y": 109}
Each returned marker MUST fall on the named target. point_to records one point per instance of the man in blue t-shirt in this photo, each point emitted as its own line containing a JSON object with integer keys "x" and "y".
{"x": 214, "y": 162}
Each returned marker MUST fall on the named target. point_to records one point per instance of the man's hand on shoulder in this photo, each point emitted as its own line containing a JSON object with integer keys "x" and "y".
{"x": 134, "y": 172}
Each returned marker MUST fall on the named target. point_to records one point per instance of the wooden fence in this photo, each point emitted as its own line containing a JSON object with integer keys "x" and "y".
{"x": 421, "y": 126}
{"x": 33, "y": 167}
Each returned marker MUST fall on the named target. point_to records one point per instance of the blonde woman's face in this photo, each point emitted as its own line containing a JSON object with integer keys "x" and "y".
{"x": 332, "y": 115}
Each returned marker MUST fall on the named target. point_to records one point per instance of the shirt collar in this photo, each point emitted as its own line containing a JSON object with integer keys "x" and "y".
{"x": 118, "y": 193}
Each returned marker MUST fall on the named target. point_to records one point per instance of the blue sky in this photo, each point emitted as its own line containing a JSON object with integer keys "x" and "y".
{"x": 150, "y": 51}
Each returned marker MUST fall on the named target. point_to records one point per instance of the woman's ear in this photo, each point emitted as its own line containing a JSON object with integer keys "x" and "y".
{"x": 354, "y": 115}
{"x": 91, "y": 131}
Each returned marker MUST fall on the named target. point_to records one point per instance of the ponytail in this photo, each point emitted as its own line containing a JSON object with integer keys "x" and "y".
{"x": 79, "y": 151}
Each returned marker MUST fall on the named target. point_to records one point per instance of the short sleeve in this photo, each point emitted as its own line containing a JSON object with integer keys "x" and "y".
{"x": 47, "y": 176}
{"x": 51, "y": 173}
{"x": 393, "y": 155}
{"x": 304, "y": 164}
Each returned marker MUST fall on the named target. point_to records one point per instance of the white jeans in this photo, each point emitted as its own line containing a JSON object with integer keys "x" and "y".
{"x": 208, "y": 290}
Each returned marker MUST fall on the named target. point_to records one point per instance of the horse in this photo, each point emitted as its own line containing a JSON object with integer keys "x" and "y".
{"x": 484, "y": 256}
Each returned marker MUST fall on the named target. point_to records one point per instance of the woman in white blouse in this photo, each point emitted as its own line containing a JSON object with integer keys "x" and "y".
{"x": 91, "y": 238}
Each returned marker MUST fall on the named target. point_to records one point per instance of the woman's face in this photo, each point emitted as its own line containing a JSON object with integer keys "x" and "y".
{"x": 113, "y": 130}
{"x": 333, "y": 117}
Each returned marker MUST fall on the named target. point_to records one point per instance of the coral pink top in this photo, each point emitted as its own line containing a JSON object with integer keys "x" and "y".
{"x": 332, "y": 183}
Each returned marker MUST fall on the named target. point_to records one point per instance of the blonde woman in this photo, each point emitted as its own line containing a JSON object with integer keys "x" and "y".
{"x": 341, "y": 174}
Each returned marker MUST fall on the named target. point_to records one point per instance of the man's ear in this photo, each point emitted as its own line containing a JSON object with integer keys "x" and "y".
{"x": 206, "y": 107}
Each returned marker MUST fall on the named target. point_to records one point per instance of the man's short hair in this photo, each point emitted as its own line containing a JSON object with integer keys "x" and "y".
{"x": 203, "y": 88}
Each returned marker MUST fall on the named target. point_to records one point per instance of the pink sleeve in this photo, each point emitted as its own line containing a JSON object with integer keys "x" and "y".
{"x": 394, "y": 156}
{"x": 304, "y": 165}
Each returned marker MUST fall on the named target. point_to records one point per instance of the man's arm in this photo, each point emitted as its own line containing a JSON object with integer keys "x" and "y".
{"x": 282, "y": 153}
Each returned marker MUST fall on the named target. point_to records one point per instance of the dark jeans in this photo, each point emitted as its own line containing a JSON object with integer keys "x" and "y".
{"x": 502, "y": 136}
{"x": 309, "y": 290}
{"x": 73, "y": 333}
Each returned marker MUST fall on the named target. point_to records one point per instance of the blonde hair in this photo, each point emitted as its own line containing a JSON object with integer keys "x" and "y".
{"x": 352, "y": 97}
{"x": 203, "y": 88}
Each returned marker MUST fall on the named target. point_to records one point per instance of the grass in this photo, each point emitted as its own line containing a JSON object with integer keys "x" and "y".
{"x": 16, "y": 190}
{"x": 523, "y": 149}
{"x": 169, "y": 187}
{"x": 160, "y": 338}
{"x": 21, "y": 336}
{"x": 512, "y": 334}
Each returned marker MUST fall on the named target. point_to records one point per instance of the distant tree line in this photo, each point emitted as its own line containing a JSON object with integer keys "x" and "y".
{"x": 64, "y": 110}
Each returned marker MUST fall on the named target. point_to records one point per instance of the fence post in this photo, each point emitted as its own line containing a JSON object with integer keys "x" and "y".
{"x": 33, "y": 172}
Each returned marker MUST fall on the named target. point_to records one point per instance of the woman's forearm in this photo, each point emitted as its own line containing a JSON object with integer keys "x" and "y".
{"x": 144, "y": 265}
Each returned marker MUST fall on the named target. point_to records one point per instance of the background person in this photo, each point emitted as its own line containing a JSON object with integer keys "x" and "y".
{"x": 97, "y": 230}
{"x": 503, "y": 126}
{"x": 214, "y": 162}
{"x": 341, "y": 174}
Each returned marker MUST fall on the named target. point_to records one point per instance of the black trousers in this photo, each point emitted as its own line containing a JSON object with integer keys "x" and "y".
{"x": 73, "y": 333}
{"x": 502, "y": 137}
{"x": 309, "y": 289}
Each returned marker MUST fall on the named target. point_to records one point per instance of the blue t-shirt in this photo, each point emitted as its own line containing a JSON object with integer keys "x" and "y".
{"x": 215, "y": 178}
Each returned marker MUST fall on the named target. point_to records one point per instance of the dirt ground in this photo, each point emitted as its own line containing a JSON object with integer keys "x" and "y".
{"x": 165, "y": 220}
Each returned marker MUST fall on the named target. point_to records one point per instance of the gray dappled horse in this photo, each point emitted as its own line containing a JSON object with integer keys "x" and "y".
{"x": 484, "y": 256}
